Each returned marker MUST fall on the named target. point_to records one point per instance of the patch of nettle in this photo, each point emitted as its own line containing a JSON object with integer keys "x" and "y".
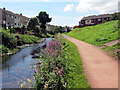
{"x": 51, "y": 71}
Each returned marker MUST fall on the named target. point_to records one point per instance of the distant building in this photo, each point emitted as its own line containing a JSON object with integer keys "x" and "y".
{"x": 10, "y": 19}
{"x": 94, "y": 20}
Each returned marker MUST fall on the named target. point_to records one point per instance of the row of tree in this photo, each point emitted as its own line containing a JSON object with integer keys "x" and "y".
{"x": 37, "y": 26}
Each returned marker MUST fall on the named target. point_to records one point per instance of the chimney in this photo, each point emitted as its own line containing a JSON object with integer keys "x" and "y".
{"x": 3, "y": 8}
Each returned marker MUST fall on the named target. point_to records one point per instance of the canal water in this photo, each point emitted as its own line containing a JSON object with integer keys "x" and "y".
{"x": 17, "y": 68}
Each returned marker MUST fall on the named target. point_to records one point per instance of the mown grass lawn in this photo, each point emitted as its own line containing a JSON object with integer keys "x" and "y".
{"x": 97, "y": 34}
{"x": 76, "y": 77}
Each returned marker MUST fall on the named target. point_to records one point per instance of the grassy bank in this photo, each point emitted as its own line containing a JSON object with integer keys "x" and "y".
{"x": 97, "y": 34}
{"x": 77, "y": 78}
{"x": 10, "y": 41}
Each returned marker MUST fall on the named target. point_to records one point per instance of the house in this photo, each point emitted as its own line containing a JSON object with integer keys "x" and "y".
{"x": 76, "y": 27}
{"x": 94, "y": 20}
{"x": 10, "y": 19}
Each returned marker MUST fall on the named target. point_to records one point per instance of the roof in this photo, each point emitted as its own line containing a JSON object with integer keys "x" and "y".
{"x": 96, "y": 17}
{"x": 9, "y": 12}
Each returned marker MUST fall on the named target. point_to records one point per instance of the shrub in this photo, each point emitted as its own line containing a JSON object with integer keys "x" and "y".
{"x": 9, "y": 40}
{"x": 4, "y": 49}
{"x": 50, "y": 71}
{"x": 28, "y": 39}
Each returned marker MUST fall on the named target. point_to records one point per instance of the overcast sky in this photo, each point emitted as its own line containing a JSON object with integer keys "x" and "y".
{"x": 63, "y": 12}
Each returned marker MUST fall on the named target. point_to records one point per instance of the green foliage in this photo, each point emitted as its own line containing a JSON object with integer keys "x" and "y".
{"x": 76, "y": 77}
{"x": 116, "y": 16}
{"x": 115, "y": 49}
{"x": 12, "y": 40}
{"x": 43, "y": 36}
{"x": 38, "y": 31}
{"x": 97, "y": 34}
{"x": 9, "y": 40}
{"x": 33, "y": 23}
{"x": 49, "y": 72}
{"x": 43, "y": 19}
{"x": 56, "y": 29}
{"x": 4, "y": 49}
{"x": 116, "y": 46}
{"x": 23, "y": 29}
{"x": 60, "y": 67}
{"x": 29, "y": 39}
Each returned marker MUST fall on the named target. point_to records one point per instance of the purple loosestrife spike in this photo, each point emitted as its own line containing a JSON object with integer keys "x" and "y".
{"x": 56, "y": 69}
{"x": 35, "y": 71}
{"x": 62, "y": 74}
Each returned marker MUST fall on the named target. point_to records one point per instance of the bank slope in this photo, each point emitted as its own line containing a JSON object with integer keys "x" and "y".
{"x": 97, "y": 34}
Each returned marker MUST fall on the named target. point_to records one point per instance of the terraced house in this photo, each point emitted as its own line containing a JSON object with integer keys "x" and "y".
{"x": 94, "y": 20}
{"x": 10, "y": 19}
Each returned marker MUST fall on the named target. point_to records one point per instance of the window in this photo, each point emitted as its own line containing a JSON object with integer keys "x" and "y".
{"x": 12, "y": 16}
{"x": 15, "y": 24}
{"x": 99, "y": 19}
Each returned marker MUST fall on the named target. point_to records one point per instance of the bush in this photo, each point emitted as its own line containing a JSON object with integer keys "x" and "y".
{"x": 28, "y": 39}
{"x": 9, "y": 40}
{"x": 49, "y": 72}
{"x": 4, "y": 49}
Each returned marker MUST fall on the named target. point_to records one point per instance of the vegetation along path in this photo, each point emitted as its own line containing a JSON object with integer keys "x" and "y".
{"x": 100, "y": 69}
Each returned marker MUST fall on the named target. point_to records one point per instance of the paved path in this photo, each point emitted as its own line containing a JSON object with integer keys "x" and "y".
{"x": 100, "y": 69}
{"x": 112, "y": 43}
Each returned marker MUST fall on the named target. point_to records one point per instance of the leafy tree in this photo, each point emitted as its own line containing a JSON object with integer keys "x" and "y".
{"x": 33, "y": 23}
{"x": 43, "y": 19}
{"x": 116, "y": 16}
{"x": 9, "y": 40}
{"x": 38, "y": 30}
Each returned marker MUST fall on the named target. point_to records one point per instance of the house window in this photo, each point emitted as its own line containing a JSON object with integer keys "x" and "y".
{"x": 15, "y": 24}
{"x": 99, "y": 19}
{"x": 12, "y": 16}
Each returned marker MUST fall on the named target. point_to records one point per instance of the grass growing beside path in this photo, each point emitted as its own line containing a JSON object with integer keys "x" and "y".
{"x": 97, "y": 34}
{"x": 77, "y": 78}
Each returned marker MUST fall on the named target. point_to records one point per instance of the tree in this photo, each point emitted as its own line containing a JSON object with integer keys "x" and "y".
{"x": 43, "y": 19}
{"x": 37, "y": 31}
{"x": 115, "y": 16}
{"x": 33, "y": 23}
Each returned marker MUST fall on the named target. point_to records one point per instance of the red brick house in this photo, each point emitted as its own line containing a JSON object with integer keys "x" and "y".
{"x": 94, "y": 20}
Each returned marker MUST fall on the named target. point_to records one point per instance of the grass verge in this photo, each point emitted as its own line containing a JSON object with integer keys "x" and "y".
{"x": 77, "y": 78}
{"x": 97, "y": 34}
